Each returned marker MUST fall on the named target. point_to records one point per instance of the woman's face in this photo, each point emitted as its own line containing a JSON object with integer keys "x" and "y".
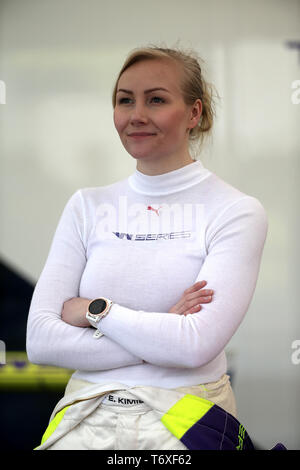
{"x": 161, "y": 114}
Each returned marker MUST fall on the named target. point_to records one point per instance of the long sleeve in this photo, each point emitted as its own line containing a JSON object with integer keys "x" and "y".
{"x": 49, "y": 339}
{"x": 234, "y": 245}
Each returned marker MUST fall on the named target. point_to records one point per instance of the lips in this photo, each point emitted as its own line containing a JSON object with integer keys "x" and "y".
{"x": 140, "y": 134}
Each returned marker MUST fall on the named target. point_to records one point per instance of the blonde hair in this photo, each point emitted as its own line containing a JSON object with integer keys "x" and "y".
{"x": 193, "y": 84}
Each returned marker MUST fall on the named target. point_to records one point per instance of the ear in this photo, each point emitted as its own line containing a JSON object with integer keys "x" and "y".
{"x": 196, "y": 112}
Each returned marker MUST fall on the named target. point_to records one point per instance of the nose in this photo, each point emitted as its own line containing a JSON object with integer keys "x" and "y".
{"x": 138, "y": 114}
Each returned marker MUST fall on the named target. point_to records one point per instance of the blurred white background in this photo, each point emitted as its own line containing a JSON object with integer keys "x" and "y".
{"x": 59, "y": 60}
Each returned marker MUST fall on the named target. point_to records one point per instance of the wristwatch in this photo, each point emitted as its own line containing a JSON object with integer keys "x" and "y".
{"x": 98, "y": 309}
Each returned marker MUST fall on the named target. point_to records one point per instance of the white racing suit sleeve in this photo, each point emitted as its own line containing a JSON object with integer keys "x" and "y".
{"x": 50, "y": 340}
{"x": 234, "y": 250}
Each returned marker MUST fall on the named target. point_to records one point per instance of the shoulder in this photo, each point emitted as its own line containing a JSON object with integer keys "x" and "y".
{"x": 230, "y": 211}
{"x": 91, "y": 196}
{"x": 98, "y": 193}
{"x": 222, "y": 198}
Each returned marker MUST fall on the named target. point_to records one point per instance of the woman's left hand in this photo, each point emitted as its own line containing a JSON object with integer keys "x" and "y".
{"x": 74, "y": 311}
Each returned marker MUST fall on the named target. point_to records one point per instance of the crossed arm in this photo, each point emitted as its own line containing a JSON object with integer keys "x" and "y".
{"x": 74, "y": 310}
{"x": 57, "y": 332}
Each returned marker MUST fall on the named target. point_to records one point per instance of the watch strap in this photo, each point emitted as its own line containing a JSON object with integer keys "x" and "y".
{"x": 94, "y": 319}
{"x": 98, "y": 334}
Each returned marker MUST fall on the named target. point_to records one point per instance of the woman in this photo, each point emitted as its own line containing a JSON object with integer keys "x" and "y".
{"x": 154, "y": 247}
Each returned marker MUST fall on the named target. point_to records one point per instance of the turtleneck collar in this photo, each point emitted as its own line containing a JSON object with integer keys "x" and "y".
{"x": 168, "y": 183}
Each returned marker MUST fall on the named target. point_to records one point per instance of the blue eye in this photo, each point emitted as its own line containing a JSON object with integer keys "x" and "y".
{"x": 158, "y": 98}
{"x": 124, "y": 100}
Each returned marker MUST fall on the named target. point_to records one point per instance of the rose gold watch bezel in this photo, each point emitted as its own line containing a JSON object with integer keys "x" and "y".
{"x": 98, "y": 316}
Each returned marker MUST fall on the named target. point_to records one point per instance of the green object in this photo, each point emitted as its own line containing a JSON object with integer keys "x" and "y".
{"x": 54, "y": 424}
{"x": 185, "y": 413}
{"x": 21, "y": 375}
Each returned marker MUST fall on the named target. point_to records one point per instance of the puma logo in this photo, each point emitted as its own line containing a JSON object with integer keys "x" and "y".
{"x": 150, "y": 208}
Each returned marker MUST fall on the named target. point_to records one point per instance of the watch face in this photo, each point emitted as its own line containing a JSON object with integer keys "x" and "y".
{"x": 97, "y": 306}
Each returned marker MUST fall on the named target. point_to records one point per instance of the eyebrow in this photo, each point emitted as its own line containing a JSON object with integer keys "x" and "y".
{"x": 146, "y": 91}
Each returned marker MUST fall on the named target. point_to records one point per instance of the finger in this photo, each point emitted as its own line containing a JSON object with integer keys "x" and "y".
{"x": 177, "y": 308}
{"x": 192, "y": 310}
{"x": 198, "y": 298}
{"x": 189, "y": 300}
{"x": 199, "y": 293}
{"x": 198, "y": 285}
{"x": 190, "y": 293}
{"x": 205, "y": 300}
{"x": 205, "y": 292}
{"x": 195, "y": 302}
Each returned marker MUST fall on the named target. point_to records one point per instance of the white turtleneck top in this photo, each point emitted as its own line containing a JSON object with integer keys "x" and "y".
{"x": 141, "y": 242}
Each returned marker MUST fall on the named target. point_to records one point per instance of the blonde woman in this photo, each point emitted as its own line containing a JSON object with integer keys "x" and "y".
{"x": 148, "y": 278}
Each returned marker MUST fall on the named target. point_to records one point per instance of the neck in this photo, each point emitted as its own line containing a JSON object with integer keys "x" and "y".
{"x": 170, "y": 182}
{"x": 161, "y": 166}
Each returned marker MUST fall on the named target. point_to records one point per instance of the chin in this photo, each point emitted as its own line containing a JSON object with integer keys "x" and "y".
{"x": 141, "y": 155}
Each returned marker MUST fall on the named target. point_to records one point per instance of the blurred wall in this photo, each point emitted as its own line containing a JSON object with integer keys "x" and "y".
{"x": 59, "y": 60}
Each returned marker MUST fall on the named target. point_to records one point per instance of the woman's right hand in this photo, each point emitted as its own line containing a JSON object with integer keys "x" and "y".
{"x": 192, "y": 298}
